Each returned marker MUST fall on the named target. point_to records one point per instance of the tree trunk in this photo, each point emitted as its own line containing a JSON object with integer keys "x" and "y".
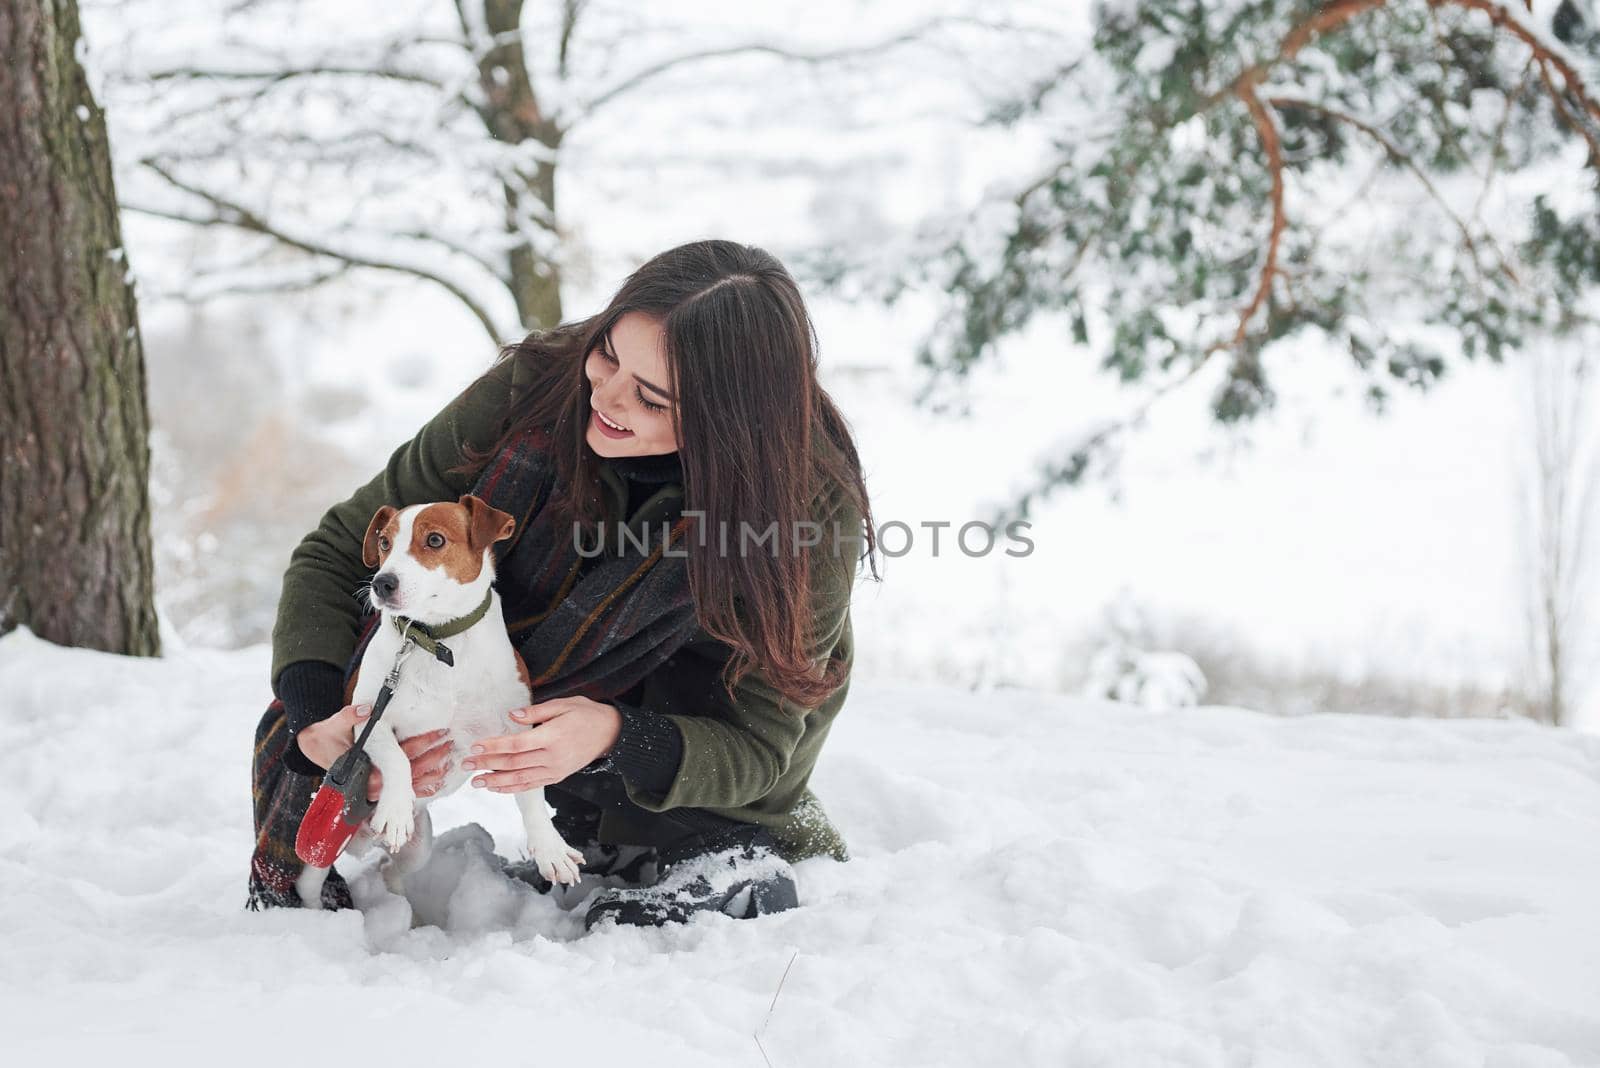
{"x": 535, "y": 281}
{"x": 511, "y": 113}
{"x": 75, "y": 562}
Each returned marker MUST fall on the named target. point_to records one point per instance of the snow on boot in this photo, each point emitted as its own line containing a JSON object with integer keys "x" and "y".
{"x": 737, "y": 872}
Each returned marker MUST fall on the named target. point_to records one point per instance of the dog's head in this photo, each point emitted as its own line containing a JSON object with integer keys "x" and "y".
{"x": 433, "y": 559}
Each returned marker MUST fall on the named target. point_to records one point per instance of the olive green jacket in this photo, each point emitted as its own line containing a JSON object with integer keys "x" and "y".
{"x": 748, "y": 759}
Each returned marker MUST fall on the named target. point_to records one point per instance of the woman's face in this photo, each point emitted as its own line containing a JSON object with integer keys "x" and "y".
{"x": 628, "y": 382}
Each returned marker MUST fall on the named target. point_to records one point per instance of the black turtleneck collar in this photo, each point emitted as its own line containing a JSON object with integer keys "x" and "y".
{"x": 662, "y": 467}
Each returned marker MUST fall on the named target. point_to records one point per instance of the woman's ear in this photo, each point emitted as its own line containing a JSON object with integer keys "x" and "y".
{"x": 485, "y": 523}
{"x": 369, "y": 545}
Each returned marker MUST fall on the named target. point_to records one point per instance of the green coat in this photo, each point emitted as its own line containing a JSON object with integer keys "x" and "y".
{"x": 748, "y": 759}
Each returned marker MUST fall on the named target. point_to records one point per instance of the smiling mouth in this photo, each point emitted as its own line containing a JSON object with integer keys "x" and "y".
{"x": 609, "y": 428}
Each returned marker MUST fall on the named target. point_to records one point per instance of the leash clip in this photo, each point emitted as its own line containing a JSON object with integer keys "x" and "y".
{"x": 407, "y": 643}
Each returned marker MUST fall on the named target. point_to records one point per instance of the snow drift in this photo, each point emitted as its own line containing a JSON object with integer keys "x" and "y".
{"x": 1037, "y": 880}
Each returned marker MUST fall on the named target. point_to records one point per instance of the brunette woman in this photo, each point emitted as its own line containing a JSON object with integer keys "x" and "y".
{"x": 691, "y": 515}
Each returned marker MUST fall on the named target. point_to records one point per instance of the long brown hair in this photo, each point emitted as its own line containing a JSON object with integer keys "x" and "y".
{"x": 759, "y": 441}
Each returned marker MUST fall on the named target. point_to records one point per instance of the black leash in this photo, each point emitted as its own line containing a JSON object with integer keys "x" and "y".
{"x": 339, "y": 774}
{"x": 340, "y": 806}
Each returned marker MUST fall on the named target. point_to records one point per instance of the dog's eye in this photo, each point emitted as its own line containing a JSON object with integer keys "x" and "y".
{"x": 383, "y": 545}
{"x": 436, "y": 540}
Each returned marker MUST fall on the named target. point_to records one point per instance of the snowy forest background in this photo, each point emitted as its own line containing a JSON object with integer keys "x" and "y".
{"x": 316, "y": 217}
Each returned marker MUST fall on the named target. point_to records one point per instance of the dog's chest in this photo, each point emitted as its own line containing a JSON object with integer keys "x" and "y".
{"x": 472, "y": 703}
{"x": 471, "y": 698}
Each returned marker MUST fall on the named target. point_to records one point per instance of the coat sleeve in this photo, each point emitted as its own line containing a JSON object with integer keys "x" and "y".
{"x": 319, "y": 615}
{"x": 736, "y": 751}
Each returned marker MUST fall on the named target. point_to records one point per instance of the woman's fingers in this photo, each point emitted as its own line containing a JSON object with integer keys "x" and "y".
{"x": 516, "y": 742}
{"x": 417, "y": 744}
{"x": 428, "y": 771}
{"x": 510, "y": 782}
{"x": 523, "y": 758}
{"x": 512, "y": 761}
{"x": 435, "y": 759}
{"x": 424, "y": 782}
{"x": 347, "y": 722}
{"x": 504, "y": 751}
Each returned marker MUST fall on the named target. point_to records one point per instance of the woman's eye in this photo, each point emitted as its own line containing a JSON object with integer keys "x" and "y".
{"x": 436, "y": 541}
{"x": 650, "y": 405}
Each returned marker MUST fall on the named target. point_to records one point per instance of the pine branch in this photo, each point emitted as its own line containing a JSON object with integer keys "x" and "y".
{"x": 1272, "y": 145}
{"x": 1077, "y": 457}
{"x": 1400, "y": 156}
{"x": 1502, "y": 17}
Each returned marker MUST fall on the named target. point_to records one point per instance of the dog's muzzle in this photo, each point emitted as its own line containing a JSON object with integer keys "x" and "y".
{"x": 385, "y": 585}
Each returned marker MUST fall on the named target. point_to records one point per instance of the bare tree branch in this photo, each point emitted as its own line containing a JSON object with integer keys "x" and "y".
{"x": 570, "y": 12}
{"x": 274, "y": 76}
{"x": 657, "y": 69}
{"x": 257, "y": 287}
{"x": 230, "y": 213}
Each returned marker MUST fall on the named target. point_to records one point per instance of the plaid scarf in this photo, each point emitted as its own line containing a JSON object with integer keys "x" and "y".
{"x": 594, "y": 631}
{"x": 589, "y": 628}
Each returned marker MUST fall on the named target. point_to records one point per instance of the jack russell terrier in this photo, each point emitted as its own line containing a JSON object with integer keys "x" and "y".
{"x": 435, "y": 568}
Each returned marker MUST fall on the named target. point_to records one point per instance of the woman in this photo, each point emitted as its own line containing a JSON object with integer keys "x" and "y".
{"x": 682, "y": 690}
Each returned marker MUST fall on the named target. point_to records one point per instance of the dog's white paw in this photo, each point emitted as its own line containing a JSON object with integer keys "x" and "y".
{"x": 557, "y": 861}
{"x": 394, "y": 821}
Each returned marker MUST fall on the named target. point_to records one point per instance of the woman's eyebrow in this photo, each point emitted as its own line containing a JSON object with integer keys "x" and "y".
{"x": 611, "y": 350}
{"x": 654, "y": 388}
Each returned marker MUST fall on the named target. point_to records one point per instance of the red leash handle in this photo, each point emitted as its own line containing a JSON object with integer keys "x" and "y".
{"x": 341, "y": 805}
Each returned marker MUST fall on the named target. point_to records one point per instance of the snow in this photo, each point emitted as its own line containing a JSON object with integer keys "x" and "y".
{"x": 1036, "y": 879}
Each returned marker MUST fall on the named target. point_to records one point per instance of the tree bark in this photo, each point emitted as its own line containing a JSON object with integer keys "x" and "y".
{"x": 512, "y": 114}
{"x": 75, "y": 561}
{"x": 535, "y": 281}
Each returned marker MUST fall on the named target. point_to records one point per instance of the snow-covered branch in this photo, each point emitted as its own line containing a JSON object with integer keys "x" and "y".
{"x": 227, "y": 212}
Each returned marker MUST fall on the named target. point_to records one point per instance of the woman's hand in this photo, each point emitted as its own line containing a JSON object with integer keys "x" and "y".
{"x": 568, "y": 733}
{"x": 327, "y": 740}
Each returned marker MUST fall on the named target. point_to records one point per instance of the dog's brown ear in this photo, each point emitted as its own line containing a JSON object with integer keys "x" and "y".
{"x": 485, "y": 523}
{"x": 369, "y": 544}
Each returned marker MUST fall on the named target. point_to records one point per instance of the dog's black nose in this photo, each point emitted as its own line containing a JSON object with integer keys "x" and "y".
{"x": 386, "y": 586}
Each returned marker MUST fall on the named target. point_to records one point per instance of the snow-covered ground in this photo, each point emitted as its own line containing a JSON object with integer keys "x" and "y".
{"x": 1037, "y": 880}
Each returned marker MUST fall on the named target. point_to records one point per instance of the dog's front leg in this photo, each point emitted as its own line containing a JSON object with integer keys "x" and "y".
{"x": 557, "y": 861}
{"x": 394, "y": 818}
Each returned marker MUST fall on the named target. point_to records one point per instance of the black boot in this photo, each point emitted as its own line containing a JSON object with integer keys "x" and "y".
{"x": 737, "y": 872}
{"x": 579, "y": 825}
{"x": 632, "y": 864}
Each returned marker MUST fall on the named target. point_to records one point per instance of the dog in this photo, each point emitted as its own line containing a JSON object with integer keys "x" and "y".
{"x": 434, "y": 567}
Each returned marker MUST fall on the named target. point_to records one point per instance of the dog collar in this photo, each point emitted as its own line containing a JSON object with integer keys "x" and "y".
{"x": 432, "y": 639}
